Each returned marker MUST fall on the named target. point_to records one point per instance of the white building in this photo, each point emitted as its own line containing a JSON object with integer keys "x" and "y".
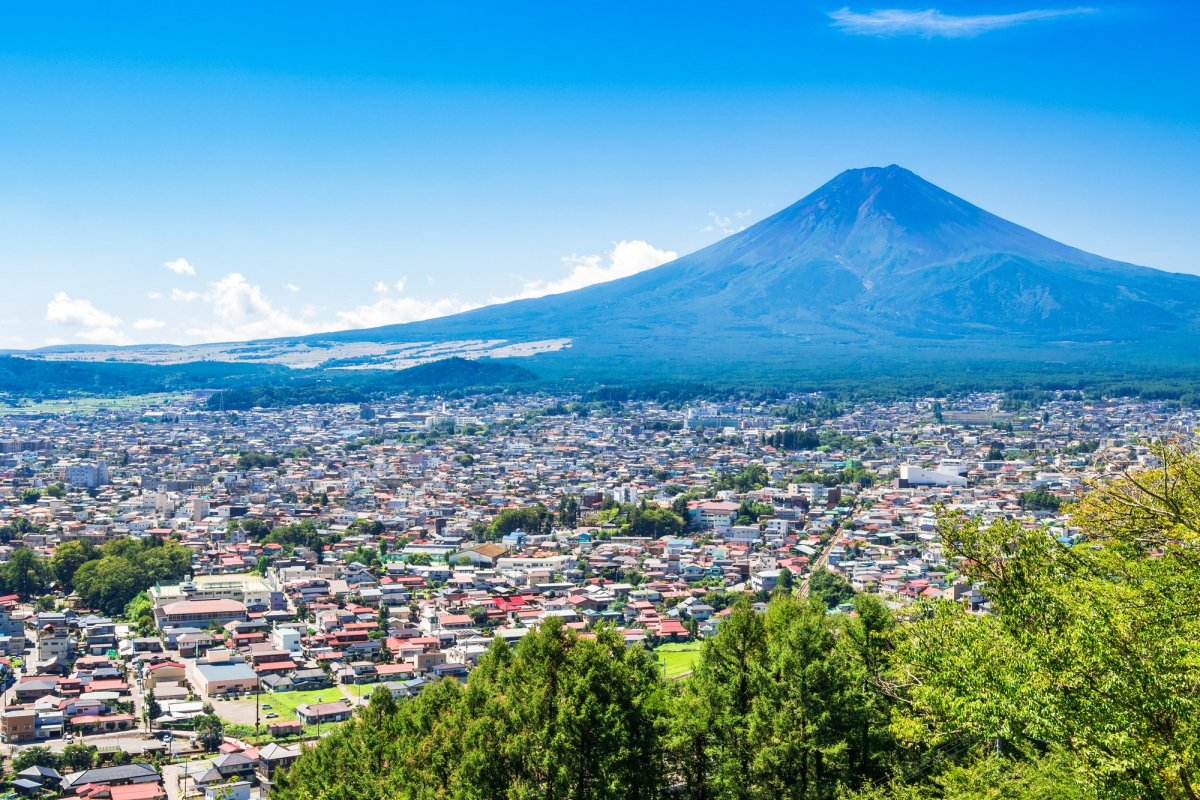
{"x": 918, "y": 476}
{"x": 90, "y": 474}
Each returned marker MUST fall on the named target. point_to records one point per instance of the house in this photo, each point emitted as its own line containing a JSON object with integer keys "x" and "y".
{"x": 272, "y": 758}
{"x": 165, "y": 672}
{"x": 277, "y": 683}
{"x": 765, "y": 581}
{"x": 229, "y": 790}
{"x": 286, "y": 639}
{"x": 232, "y": 766}
{"x": 306, "y": 679}
{"x": 18, "y": 725}
{"x": 137, "y": 772}
{"x": 92, "y": 723}
{"x": 194, "y": 645}
{"x": 291, "y": 727}
{"x": 483, "y": 555}
{"x": 319, "y": 713}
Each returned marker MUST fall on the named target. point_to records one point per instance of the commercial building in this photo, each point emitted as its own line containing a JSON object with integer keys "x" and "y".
{"x": 223, "y": 673}
{"x": 200, "y": 613}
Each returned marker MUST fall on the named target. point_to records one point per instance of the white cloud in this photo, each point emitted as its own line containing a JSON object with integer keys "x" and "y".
{"x": 94, "y": 324}
{"x": 66, "y": 310}
{"x": 180, "y": 266}
{"x": 625, "y": 259}
{"x": 930, "y": 23}
{"x": 728, "y": 225}
{"x": 383, "y": 288}
{"x": 234, "y": 308}
{"x": 241, "y": 310}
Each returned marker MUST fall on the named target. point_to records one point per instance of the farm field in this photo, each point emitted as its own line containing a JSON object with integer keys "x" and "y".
{"x": 679, "y": 658}
{"x": 91, "y": 405}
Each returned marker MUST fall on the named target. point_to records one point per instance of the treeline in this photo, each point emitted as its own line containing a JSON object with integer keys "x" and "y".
{"x": 1081, "y": 683}
{"x": 246, "y": 385}
{"x": 108, "y": 578}
{"x": 568, "y": 716}
{"x": 793, "y": 439}
{"x": 445, "y": 376}
{"x": 26, "y": 377}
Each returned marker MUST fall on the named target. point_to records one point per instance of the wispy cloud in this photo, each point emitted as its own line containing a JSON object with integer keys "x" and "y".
{"x": 930, "y": 23}
{"x": 394, "y": 307}
{"x": 727, "y": 225}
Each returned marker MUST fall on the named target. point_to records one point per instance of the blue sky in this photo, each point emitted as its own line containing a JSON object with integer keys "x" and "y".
{"x": 195, "y": 172}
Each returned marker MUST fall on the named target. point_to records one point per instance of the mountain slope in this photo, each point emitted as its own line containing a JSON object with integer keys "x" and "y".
{"x": 874, "y": 259}
{"x": 875, "y": 270}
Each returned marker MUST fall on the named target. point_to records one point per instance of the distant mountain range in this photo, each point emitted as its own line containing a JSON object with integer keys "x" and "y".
{"x": 876, "y": 266}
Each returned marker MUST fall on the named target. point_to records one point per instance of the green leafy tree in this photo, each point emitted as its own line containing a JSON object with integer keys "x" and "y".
{"x": 786, "y": 581}
{"x": 210, "y": 731}
{"x": 25, "y": 573}
{"x": 140, "y": 612}
{"x": 557, "y": 716}
{"x": 830, "y": 588}
{"x": 568, "y": 512}
{"x": 652, "y": 521}
{"x": 1091, "y": 649}
{"x": 35, "y": 756}
{"x": 78, "y": 757}
{"x": 108, "y": 583}
{"x": 69, "y": 557}
{"x": 533, "y": 520}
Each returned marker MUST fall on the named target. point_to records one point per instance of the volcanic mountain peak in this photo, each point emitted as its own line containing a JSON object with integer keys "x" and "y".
{"x": 876, "y": 263}
{"x": 877, "y": 220}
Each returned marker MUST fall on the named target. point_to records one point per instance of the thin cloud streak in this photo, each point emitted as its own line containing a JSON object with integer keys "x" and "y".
{"x": 930, "y": 23}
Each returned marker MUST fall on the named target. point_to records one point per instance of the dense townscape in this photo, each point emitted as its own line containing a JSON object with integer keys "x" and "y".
{"x": 192, "y": 595}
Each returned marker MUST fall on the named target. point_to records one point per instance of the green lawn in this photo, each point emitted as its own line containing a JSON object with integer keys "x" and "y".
{"x": 678, "y": 658}
{"x": 284, "y": 703}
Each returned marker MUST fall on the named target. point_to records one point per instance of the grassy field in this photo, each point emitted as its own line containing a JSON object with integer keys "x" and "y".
{"x": 90, "y": 405}
{"x": 678, "y": 659}
{"x": 239, "y": 714}
{"x": 284, "y": 703}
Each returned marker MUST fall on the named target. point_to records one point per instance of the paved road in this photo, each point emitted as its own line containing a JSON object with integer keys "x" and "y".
{"x": 822, "y": 560}
{"x": 178, "y": 778}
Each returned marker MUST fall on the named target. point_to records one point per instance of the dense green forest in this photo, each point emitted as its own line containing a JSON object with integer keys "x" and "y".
{"x": 448, "y": 375}
{"x": 248, "y": 385}
{"x": 1083, "y": 682}
{"x": 29, "y": 377}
